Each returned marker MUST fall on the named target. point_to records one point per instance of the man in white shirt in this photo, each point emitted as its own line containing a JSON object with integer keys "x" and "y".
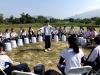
{"x": 94, "y": 56}
{"x": 48, "y": 29}
{"x": 8, "y": 65}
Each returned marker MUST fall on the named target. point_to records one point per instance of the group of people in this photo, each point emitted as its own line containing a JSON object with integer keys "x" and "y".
{"x": 69, "y": 58}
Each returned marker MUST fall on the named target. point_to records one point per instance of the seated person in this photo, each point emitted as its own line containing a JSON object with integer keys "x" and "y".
{"x": 70, "y": 57}
{"x": 94, "y": 57}
{"x": 40, "y": 70}
{"x": 8, "y": 65}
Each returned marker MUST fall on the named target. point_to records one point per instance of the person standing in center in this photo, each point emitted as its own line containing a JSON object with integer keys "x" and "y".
{"x": 47, "y": 32}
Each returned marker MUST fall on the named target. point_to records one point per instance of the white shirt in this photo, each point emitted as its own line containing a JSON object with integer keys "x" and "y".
{"x": 71, "y": 59}
{"x": 7, "y": 35}
{"x": 72, "y": 31}
{"x": 13, "y": 34}
{"x": 48, "y": 29}
{"x": 24, "y": 33}
{"x": 81, "y": 31}
{"x": 94, "y": 54}
{"x": 3, "y": 59}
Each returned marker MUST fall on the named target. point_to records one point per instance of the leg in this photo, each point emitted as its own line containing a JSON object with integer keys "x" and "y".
{"x": 24, "y": 67}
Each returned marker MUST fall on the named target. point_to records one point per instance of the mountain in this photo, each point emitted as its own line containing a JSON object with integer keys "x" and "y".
{"x": 89, "y": 14}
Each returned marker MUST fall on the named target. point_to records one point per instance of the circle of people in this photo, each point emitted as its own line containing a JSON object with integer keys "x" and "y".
{"x": 69, "y": 58}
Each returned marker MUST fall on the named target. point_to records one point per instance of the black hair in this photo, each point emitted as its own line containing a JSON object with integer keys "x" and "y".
{"x": 2, "y": 45}
{"x": 52, "y": 72}
{"x": 97, "y": 39}
{"x": 46, "y": 21}
{"x": 73, "y": 43}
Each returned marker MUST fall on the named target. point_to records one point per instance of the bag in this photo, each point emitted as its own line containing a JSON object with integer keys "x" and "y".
{"x": 95, "y": 65}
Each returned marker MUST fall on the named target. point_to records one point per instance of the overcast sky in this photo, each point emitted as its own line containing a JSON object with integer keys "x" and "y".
{"x": 54, "y": 8}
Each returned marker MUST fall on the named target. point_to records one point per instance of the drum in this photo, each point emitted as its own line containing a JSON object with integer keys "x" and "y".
{"x": 64, "y": 38}
{"x": 56, "y": 38}
{"x": 20, "y": 42}
{"x": 13, "y": 44}
{"x": 26, "y": 40}
{"x": 8, "y": 46}
{"x": 84, "y": 42}
{"x": 33, "y": 39}
{"x": 40, "y": 39}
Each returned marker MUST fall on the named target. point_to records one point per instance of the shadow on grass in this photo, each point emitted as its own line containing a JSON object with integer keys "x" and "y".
{"x": 30, "y": 49}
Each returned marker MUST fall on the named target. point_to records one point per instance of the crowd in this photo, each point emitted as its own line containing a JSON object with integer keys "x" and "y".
{"x": 69, "y": 57}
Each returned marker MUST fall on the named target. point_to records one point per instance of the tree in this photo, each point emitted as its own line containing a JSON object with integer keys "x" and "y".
{"x": 1, "y": 18}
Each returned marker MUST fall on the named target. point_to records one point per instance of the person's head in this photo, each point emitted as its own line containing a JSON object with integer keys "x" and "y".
{"x": 97, "y": 40}
{"x": 52, "y": 72}
{"x": 73, "y": 43}
{"x": 6, "y": 30}
{"x": 39, "y": 69}
{"x": 47, "y": 22}
{"x": 2, "y": 47}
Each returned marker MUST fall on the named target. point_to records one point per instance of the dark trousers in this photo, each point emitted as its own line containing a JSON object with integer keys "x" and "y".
{"x": 20, "y": 67}
{"x": 47, "y": 41}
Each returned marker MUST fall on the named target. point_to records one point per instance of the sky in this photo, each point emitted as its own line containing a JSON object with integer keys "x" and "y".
{"x": 55, "y": 8}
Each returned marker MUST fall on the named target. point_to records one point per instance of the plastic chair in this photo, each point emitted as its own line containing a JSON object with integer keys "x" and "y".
{"x": 2, "y": 70}
{"x": 79, "y": 70}
{"x": 15, "y": 72}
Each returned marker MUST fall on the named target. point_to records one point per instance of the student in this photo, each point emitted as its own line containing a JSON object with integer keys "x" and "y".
{"x": 8, "y": 65}
{"x": 64, "y": 31}
{"x": 47, "y": 32}
{"x": 23, "y": 34}
{"x": 13, "y": 34}
{"x": 70, "y": 57}
{"x": 6, "y": 35}
{"x": 72, "y": 30}
{"x": 81, "y": 32}
{"x": 94, "y": 57}
{"x": 31, "y": 33}
{"x": 60, "y": 33}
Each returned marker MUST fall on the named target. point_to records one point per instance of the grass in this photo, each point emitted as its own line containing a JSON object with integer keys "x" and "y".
{"x": 34, "y": 53}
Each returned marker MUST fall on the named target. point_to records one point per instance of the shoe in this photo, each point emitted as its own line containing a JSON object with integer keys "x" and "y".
{"x": 45, "y": 50}
{"x": 49, "y": 49}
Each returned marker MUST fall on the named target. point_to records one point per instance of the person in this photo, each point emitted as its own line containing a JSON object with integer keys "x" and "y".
{"x": 70, "y": 57}
{"x": 8, "y": 65}
{"x": 64, "y": 30}
{"x": 60, "y": 33}
{"x": 13, "y": 34}
{"x": 40, "y": 70}
{"x": 30, "y": 33}
{"x": 52, "y": 72}
{"x": 6, "y": 35}
{"x": 48, "y": 29}
{"x": 72, "y": 30}
{"x": 23, "y": 34}
{"x": 81, "y": 32}
{"x": 93, "y": 58}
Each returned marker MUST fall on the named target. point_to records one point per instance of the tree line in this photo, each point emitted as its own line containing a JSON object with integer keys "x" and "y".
{"x": 26, "y": 18}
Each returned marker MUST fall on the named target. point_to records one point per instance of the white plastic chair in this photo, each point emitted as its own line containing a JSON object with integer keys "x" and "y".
{"x": 2, "y": 70}
{"x": 79, "y": 70}
{"x": 15, "y": 72}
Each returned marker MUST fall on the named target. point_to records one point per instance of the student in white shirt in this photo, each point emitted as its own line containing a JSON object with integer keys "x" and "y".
{"x": 47, "y": 32}
{"x": 6, "y": 35}
{"x": 70, "y": 56}
{"x": 64, "y": 31}
{"x": 8, "y": 65}
{"x": 81, "y": 32}
{"x": 94, "y": 57}
{"x": 72, "y": 30}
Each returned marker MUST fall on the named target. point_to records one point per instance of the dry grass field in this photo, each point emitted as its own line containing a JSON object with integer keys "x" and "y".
{"x": 34, "y": 53}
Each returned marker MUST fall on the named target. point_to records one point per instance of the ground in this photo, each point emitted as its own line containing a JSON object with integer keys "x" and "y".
{"x": 34, "y": 53}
